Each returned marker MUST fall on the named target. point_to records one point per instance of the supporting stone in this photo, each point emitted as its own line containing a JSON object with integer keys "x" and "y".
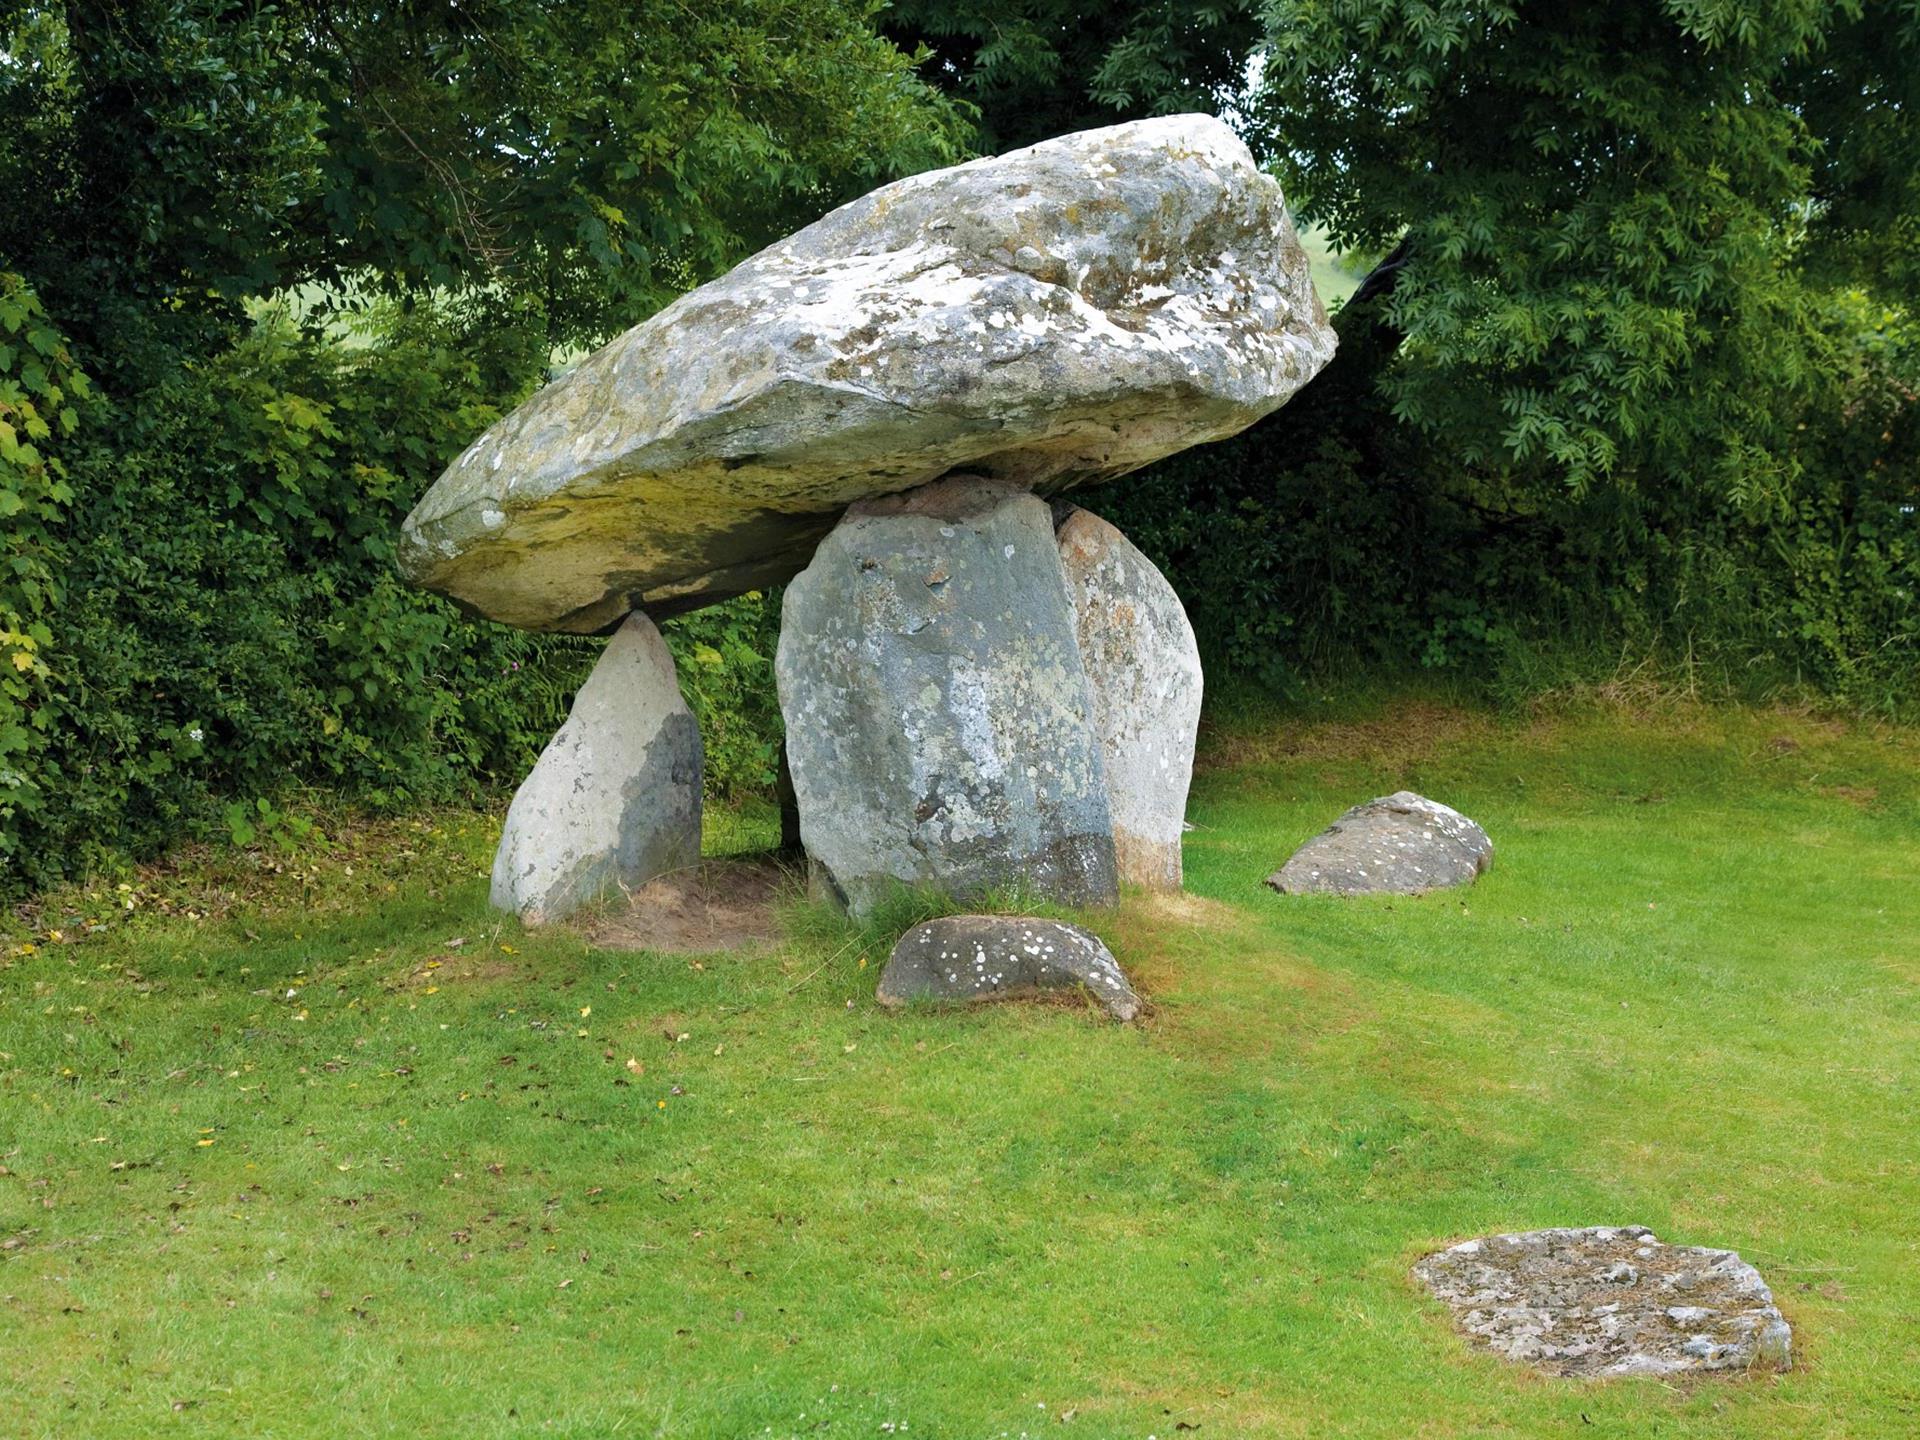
{"x": 939, "y": 721}
{"x": 614, "y": 799}
{"x": 1143, "y": 665}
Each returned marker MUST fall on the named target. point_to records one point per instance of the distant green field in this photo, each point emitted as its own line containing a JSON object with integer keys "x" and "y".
{"x": 1335, "y": 281}
{"x": 309, "y": 1167}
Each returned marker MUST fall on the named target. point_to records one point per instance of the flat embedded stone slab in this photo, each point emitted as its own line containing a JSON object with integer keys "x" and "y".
{"x": 970, "y": 959}
{"x": 1399, "y": 844}
{"x": 1055, "y": 316}
{"x": 1609, "y": 1300}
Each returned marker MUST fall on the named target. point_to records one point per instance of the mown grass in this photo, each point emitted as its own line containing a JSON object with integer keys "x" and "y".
{"x": 305, "y": 1167}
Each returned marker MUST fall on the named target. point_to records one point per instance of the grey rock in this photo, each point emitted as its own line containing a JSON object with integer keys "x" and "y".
{"x": 1143, "y": 665}
{"x": 939, "y": 724}
{"x": 1399, "y": 844}
{"x": 614, "y": 799}
{"x": 1056, "y": 316}
{"x": 1609, "y": 1300}
{"x": 972, "y": 958}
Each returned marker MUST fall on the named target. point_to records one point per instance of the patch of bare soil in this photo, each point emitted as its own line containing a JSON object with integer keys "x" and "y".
{"x": 716, "y": 905}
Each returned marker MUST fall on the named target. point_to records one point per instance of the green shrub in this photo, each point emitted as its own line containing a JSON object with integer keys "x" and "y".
{"x": 725, "y": 657}
{"x": 43, "y": 395}
{"x": 231, "y": 625}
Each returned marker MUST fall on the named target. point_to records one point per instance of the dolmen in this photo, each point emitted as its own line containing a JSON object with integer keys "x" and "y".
{"x": 984, "y": 685}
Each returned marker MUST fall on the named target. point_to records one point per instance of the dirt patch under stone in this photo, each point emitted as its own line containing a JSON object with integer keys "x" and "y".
{"x": 1610, "y": 1300}
{"x": 717, "y": 905}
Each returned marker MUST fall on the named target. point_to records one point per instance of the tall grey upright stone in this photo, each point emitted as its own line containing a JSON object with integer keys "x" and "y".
{"x": 1143, "y": 666}
{"x": 939, "y": 721}
{"x": 614, "y": 799}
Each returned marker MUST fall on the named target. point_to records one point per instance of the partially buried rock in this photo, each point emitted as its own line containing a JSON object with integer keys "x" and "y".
{"x": 939, "y": 724}
{"x": 614, "y": 799}
{"x": 972, "y": 958}
{"x": 1399, "y": 844}
{"x": 1055, "y": 316}
{"x": 1610, "y": 1300}
{"x": 1143, "y": 667}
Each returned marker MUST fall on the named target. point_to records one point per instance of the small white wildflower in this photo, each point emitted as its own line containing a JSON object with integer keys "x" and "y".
{"x": 196, "y": 734}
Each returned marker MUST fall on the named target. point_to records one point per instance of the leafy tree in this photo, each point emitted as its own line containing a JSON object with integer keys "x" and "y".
{"x": 1600, "y": 212}
{"x": 586, "y": 160}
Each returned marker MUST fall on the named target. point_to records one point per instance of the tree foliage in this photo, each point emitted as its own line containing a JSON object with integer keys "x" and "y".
{"x": 1039, "y": 68}
{"x": 1602, "y": 212}
{"x": 43, "y": 396}
{"x": 588, "y": 159}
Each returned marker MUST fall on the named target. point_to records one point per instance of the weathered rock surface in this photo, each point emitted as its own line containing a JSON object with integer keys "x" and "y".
{"x": 1611, "y": 1300}
{"x": 972, "y": 958}
{"x": 1143, "y": 666}
{"x": 1399, "y": 844}
{"x": 615, "y": 797}
{"x": 1055, "y": 316}
{"x": 939, "y": 722}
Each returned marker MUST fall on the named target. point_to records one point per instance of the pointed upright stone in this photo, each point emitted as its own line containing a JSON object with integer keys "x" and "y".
{"x": 1143, "y": 668}
{"x": 614, "y": 799}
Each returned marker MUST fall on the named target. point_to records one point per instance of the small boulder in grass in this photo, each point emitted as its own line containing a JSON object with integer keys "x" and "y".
{"x": 969, "y": 959}
{"x": 1399, "y": 844}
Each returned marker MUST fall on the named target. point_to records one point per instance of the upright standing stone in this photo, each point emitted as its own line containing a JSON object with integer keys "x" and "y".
{"x": 614, "y": 799}
{"x": 939, "y": 723}
{"x": 1144, "y": 669}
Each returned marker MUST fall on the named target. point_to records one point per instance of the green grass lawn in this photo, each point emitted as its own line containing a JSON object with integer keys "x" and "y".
{"x": 304, "y": 1167}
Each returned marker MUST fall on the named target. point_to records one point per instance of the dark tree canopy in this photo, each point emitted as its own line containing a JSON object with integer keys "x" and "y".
{"x": 1607, "y": 211}
{"x": 588, "y": 159}
{"x": 1039, "y": 68}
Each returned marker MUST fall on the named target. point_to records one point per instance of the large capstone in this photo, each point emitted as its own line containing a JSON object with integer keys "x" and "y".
{"x": 968, "y": 959}
{"x": 1052, "y": 317}
{"x": 939, "y": 722}
{"x": 1609, "y": 1300}
{"x": 1399, "y": 844}
{"x": 614, "y": 799}
{"x": 1143, "y": 666}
